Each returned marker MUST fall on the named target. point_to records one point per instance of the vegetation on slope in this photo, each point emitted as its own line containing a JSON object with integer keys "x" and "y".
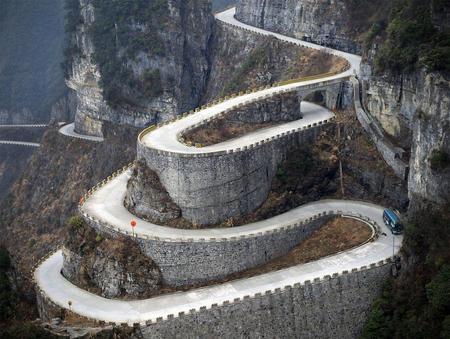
{"x": 265, "y": 64}
{"x": 417, "y": 304}
{"x": 121, "y": 31}
{"x": 14, "y": 313}
{"x": 413, "y": 38}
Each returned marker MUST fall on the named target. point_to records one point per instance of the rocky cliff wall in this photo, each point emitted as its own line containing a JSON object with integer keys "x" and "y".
{"x": 241, "y": 59}
{"x": 322, "y": 21}
{"x": 110, "y": 267}
{"x": 155, "y": 86}
{"x": 414, "y": 110}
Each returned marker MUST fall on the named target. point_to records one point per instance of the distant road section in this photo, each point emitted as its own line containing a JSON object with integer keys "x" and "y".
{"x": 25, "y": 126}
{"x": 19, "y": 143}
{"x": 69, "y": 130}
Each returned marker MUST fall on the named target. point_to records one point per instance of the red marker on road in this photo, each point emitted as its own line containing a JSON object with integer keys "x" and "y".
{"x": 133, "y": 224}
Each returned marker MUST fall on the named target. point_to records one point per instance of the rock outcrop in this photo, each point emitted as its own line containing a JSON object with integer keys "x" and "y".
{"x": 111, "y": 267}
{"x": 147, "y": 198}
{"x": 160, "y": 85}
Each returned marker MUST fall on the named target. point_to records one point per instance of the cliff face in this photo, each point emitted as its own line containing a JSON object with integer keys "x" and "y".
{"x": 110, "y": 267}
{"x": 413, "y": 108}
{"x": 154, "y": 67}
{"x": 322, "y": 21}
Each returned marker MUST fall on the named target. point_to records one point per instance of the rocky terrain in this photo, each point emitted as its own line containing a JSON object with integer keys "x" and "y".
{"x": 34, "y": 214}
{"x": 242, "y": 60}
{"x": 110, "y": 267}
{"x": 414, "y": 110}
{"x": 147, "y": 198}
{"x": 410, "y": 104}
{"x": 338, "y": 24}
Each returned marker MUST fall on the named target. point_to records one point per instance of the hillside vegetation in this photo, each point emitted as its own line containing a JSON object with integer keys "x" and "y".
{"x": 415, "y": 38}
{"x": 417, "y": 304}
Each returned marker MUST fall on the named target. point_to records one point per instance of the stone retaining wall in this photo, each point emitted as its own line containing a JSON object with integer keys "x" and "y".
{"x": 209, "y": 188}
{"x": 187, "y": 262}
{"x": 329, "y": 307}
{"x": 333, "y": 307}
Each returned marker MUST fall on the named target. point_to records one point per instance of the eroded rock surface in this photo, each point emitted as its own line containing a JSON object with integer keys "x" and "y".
{"x": 110, "y": 267}
{"x": 321, "y": 21}
{"x": 147, "y": 198}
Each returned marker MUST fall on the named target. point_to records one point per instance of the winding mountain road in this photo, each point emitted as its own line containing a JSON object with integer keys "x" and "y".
{"x": 106, "y": 205}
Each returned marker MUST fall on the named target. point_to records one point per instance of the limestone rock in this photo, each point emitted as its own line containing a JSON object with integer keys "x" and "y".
{"x": 320, "y": 21}
{"x": 415, "y": 111}
{"x": 111, "y": 267}
{"x": 147, "y": 198}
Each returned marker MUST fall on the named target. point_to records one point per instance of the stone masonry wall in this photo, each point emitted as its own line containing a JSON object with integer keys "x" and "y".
{"x": 209, "y": 188}
{"x": 184, "y": 262}
{"x": 329, "y": 308}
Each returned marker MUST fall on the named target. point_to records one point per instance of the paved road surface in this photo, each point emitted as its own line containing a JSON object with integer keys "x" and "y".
{"x": 69, "y": 130}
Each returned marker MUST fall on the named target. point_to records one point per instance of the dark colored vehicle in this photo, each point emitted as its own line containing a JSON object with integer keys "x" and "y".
{"x": 392, "y": 220}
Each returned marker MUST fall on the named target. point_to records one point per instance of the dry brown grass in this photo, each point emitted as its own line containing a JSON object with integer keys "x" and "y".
{"x": 220, "y": 130}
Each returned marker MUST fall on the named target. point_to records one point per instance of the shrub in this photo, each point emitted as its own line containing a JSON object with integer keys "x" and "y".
{"x": 151, "y": 83}
{"x": 7, "y": 295}
{"x": 76, "y": 222}
{"x": 439, "y": 159}
{"x": 438, "y": 290}
{"x": 417, "y": 304}
{"x": 412, "y": 39}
